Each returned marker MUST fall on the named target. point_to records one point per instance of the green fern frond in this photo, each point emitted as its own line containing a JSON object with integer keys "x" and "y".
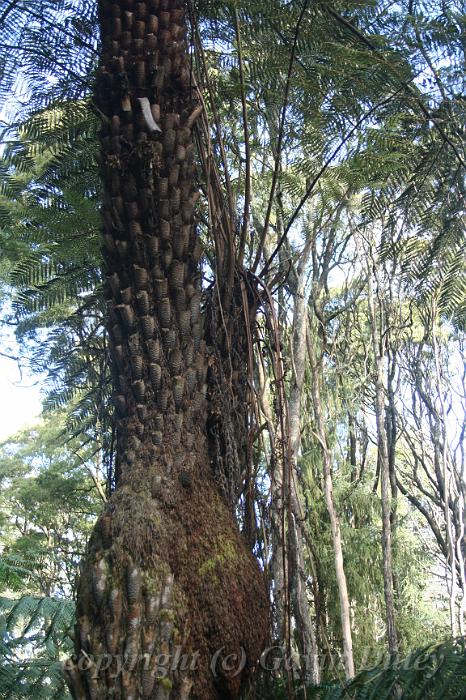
{"x": 35, "y": 640}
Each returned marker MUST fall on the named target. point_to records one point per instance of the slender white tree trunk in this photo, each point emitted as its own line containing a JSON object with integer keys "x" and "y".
{"x": 453, "y": 586}
{"x": 345, "y": 614}
{"x": 384, "y": 466}
{"x": 301, "y": 607}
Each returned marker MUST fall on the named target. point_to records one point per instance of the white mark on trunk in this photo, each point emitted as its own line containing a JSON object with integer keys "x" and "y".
{"x": 147, "y": 112}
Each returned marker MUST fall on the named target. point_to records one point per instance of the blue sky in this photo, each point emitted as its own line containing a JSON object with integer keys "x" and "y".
{"x": 20, "y": 400}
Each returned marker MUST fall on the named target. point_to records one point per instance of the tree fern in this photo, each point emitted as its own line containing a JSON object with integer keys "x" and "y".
{"x": 34, "y": 640}
{"x": 435, "y": 672}
{"x": 50, "y": 209}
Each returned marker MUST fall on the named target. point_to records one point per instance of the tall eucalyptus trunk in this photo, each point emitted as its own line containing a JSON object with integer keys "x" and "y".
{"x": 167, "y": 571}
{"x": 305, "y": 632}
{"x": 315, "y": 362}
{"x": 316, "y": 338}
{"x": 444, "y": 459}
{"x": 383, "y": 457}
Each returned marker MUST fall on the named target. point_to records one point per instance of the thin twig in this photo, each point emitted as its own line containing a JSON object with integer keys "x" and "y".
{"x": 409, "y": 88}
{"x": 281, "y": 133}
{"x": 247, "y": 145}
{"x": 316, "y": 179}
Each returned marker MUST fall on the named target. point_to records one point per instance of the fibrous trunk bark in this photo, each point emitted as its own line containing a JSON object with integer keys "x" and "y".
{"x": 168, "y": 585}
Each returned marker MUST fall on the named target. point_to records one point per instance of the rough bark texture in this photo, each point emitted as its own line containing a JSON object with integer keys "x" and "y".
{"x": 230, "y": 317}
{"x": 167, "y": 571}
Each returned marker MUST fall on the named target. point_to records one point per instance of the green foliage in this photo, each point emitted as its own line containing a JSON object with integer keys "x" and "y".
{"x": 370, "y": 136}
{"x": 48, "y": 503}
{"x": 49, "y": 500}
{"x": 34, "y": 641}
{"x": 49, "y": 50}
{"x": 434, "y": 672}
{"x": 50, "y": 233}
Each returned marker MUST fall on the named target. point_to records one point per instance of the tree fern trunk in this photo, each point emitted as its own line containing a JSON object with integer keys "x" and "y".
{"x": 167, "y": 571}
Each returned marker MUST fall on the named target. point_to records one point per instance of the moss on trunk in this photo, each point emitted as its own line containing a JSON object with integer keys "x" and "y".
{"x": 166, "y": 567}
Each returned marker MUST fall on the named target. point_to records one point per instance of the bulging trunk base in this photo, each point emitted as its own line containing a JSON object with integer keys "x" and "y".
{"x": 172, "y": 604}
